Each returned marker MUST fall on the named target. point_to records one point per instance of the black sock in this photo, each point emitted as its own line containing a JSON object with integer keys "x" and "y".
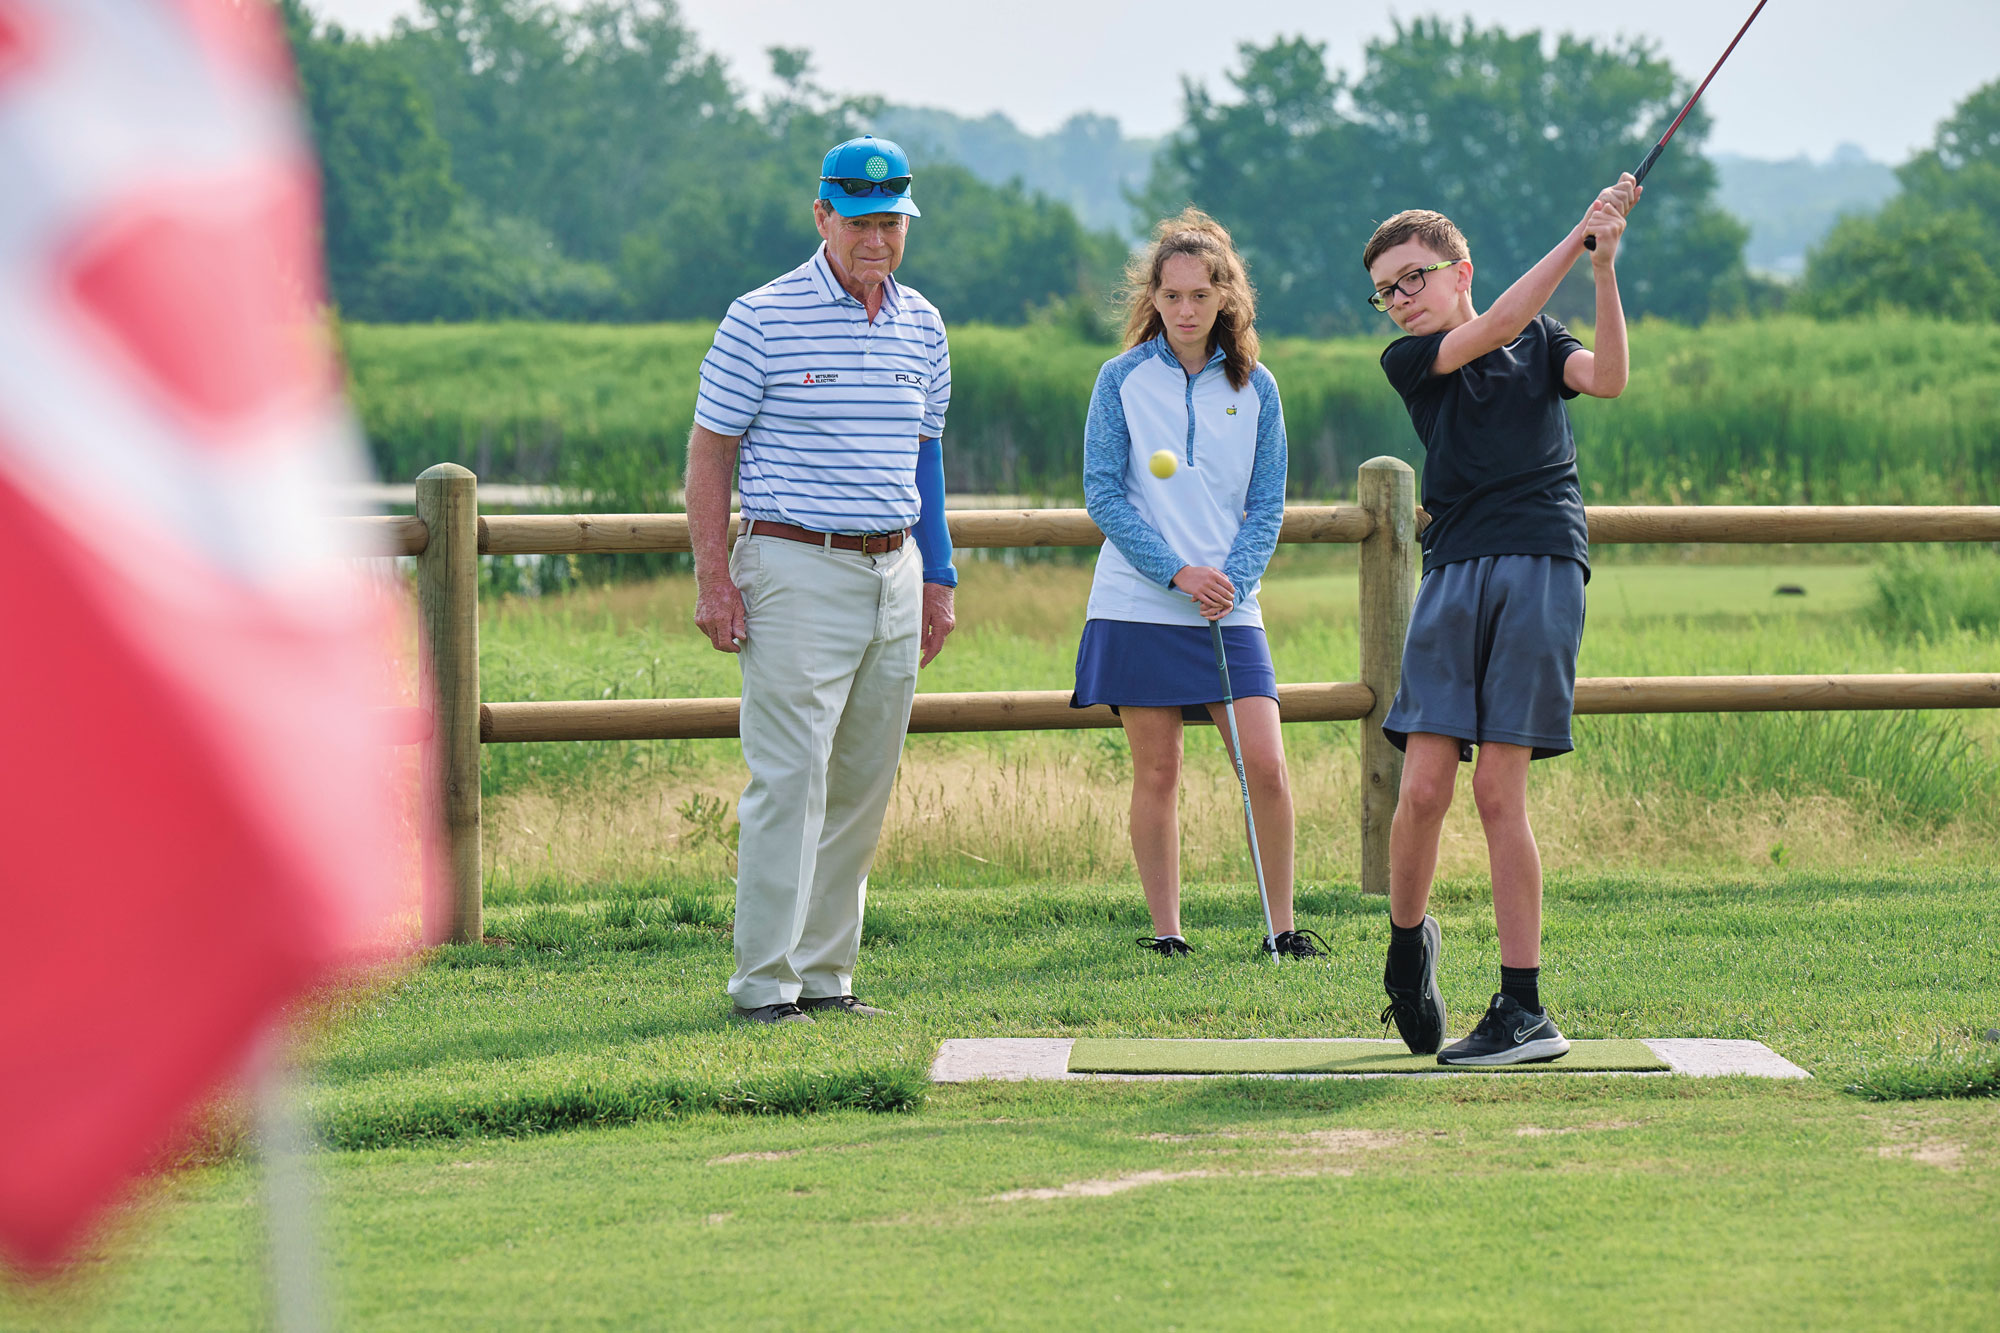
{"x": 1523, "y": 986}
{"x": 1406, "y": 954}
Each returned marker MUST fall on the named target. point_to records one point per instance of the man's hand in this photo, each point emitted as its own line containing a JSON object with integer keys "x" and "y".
{"x": 1214, "y": 595}
{"x": 718, "y": 613}
{"x": 938, "y": 620}
{"x": 718, "y": 606}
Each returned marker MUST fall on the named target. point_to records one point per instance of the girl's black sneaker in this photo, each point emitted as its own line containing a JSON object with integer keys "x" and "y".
{"x": 1165, "y": 945}
{"x": 1298, "y": 944}
{"x": 1508, "y": 1034}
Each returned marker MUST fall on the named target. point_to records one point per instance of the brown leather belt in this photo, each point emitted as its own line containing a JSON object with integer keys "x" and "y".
{"x": 872, "y": 543}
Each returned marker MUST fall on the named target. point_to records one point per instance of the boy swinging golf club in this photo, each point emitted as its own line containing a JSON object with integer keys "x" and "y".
{"x": 1490, "y": 658}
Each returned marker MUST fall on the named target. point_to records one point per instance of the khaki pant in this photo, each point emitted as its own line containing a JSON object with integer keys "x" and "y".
{"x": 829, "y": 667}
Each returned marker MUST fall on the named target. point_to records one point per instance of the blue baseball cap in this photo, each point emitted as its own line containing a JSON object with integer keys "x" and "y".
{"x": 857, "y": 175}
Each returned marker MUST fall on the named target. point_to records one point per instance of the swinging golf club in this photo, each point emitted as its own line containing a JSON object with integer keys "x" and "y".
{"x": 1243, "y": 781}
{"x": 1590, "y": 242}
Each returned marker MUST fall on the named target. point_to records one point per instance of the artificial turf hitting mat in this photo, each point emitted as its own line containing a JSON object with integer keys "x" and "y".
{"x": 1098, "y": 1055}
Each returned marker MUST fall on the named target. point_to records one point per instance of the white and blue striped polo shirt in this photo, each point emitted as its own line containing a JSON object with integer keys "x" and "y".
{"x": 830, "y": 406}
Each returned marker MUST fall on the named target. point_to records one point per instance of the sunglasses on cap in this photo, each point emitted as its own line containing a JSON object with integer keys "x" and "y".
{"x": 856, "y": 188}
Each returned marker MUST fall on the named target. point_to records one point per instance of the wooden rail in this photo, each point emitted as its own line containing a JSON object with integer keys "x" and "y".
{"x": 1782, "y": 694}
{"x": 1350, "y": 701}
{"x": 1770, "y": 524}
{"x": 1610, "y": 525}
{"x": 448, "y": 536}
{"x": 1000, "y": 710}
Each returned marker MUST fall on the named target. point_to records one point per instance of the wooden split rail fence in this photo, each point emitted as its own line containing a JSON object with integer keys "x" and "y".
{"x": 448, "y": 535}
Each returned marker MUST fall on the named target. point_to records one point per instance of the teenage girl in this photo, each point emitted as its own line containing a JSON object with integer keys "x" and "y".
{"x": 1188, "y": 549}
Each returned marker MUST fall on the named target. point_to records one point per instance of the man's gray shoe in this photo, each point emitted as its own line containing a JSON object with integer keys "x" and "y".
{"x": 773, "y": 1013}
{"x": 846, "y": 1004}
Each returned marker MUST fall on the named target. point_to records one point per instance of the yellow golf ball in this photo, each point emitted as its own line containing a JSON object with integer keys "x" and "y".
{"x": 1164, "y": 464}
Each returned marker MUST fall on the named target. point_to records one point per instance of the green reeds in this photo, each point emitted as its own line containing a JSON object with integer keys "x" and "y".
{"x": 1884, "y": 410}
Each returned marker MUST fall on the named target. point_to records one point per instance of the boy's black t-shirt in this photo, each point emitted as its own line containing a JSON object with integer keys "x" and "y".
{"x": 1499, "y": 459}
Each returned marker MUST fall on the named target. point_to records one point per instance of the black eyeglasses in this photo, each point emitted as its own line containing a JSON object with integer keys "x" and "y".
{"x": 855, "y": 189}
{"x": 1409, "y": 284}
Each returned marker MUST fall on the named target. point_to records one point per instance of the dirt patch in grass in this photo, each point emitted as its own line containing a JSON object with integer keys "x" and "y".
{"x": 1348, "y": 1140}
{"x": 1940, "y": 1153}
{"x": 1318, "y": 1152}
{"x": 1318, "y": 1140}
{"x": 755, "y": 1157}
{"x": 1098, "y": 1189}
{"x": 1540, "y": 1131}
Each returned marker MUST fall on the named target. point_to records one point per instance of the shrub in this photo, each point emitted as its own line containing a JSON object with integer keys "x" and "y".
{"x": 1934, "y": 591}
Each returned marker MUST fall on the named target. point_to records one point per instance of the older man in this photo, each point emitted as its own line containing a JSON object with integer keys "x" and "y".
{"x": 827, "y": 388}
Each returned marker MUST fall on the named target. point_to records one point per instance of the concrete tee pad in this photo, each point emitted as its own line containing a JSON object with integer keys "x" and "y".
{"x": 966, "y": 1059}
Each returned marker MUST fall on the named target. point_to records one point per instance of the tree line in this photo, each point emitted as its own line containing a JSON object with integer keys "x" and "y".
{"x": 510, "y": 159}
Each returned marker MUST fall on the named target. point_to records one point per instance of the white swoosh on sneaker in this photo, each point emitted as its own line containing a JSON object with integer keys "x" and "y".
{"x": 1521, "y": 1034}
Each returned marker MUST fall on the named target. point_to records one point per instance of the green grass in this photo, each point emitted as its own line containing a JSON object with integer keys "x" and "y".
{"x": 1959, "y": 1070}
{"x": 601, "y": 1012}
{"x": 1668, "y": 1203}
{"x": 563, "y": 1129}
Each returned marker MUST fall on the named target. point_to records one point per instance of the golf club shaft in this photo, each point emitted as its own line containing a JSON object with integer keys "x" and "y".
{"x": 1243, "y": 781}
{"x": 1590, "y": 242}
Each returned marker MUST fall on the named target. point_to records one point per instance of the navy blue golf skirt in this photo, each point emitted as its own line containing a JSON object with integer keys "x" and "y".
{"x": 1140, "y": 665}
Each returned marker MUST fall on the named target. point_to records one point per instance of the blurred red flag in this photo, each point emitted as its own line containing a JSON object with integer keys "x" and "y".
{"x": 192, "y": 825}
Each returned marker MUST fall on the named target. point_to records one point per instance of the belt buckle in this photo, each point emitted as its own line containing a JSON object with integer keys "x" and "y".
{"x": 868, "y": 537}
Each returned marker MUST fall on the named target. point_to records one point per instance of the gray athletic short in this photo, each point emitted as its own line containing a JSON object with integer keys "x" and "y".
{"x": 1491, "y": 654}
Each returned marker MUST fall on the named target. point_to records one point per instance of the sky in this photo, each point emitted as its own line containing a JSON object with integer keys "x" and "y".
{"x": 1810, "y": 76}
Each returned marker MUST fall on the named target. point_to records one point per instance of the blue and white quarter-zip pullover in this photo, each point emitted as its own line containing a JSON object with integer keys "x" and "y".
{"x": 1222, "y": 508}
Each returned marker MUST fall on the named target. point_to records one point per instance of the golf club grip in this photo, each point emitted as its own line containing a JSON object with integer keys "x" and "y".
{"x": 1639, "y": 176}
{"x": 1221, "y": 660}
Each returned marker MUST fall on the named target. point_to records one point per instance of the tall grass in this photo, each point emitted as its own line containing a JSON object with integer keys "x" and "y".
{"x": 1932, "y": 592}
{"x": 1918, "y": 768}
{"x": 1890, "y": 410}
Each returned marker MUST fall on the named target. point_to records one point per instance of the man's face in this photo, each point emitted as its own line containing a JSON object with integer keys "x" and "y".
{"x": 866, "y": 249}
{"x": 1434, "y": 308}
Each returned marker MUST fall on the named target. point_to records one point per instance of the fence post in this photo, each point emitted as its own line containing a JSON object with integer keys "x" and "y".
{"x": 1388, "y": 491}
{"x": 448, "y": 592}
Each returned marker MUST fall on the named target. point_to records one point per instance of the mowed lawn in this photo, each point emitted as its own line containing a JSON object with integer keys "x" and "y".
{"x": 596, "y": 1037}
{"x": 562, "y": 1129}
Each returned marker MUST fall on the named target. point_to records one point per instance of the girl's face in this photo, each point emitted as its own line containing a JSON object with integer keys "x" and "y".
{"x": 1188, "y": 303}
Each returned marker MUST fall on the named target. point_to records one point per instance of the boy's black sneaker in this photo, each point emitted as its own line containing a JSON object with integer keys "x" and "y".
{"x": 1508, "y": 1034}
{"x": 1165, "y": 945}
{"x": 1418, "y": 1009}
{"x": 1298, "y": 944}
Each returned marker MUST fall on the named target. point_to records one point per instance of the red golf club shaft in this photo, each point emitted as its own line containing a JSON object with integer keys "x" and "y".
{"x": 1590, "y": 242}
